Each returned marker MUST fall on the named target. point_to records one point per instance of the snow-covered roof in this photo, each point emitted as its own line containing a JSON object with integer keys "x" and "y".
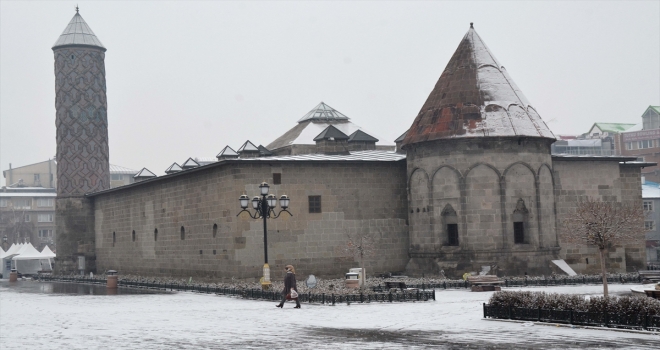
{"x": 28, "y": 194}
{"x": 612, "y": 127}
{"x": 248, "y": 147}
{"x": 116, "y": 169}
{"x": 650, "y": 190}
{"x": 373, "y": 156}
{"x": 305, "y": 132}
{"x": 323, "y": 112}
{"x": 475, "y": 97}
{"x": 78, "y": 33}
{"x": 144, "y": 173}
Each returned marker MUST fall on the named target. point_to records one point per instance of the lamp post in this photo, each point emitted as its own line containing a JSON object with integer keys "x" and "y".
{"x": 264, "y": 207}
{"x": 4, "y": 242}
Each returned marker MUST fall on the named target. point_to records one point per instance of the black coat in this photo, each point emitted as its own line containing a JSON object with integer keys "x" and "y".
{"x": 289, "y": 282}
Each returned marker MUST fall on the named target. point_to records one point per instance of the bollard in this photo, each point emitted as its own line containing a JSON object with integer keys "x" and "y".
{"x": 111, "y": 282}
{"x": 13, "y": 275}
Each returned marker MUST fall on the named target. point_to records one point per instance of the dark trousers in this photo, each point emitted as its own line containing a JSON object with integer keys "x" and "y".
{"x": 284, "y": 299}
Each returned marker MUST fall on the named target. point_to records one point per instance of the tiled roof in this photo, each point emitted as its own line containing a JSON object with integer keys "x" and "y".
{"x": 323, "y": 112}
{"x": 78, "y": 33}
{"x": 331, "y": 133}
{"x": 248, "y": 147}
{"x": 370, "y": 156}
{"x": 145, "y": 173}
{"x": 360, "y": 135}
{"x": 475, "y": 97}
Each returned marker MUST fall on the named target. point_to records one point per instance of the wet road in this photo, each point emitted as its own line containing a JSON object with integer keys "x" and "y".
{"x": 37, "y": 315}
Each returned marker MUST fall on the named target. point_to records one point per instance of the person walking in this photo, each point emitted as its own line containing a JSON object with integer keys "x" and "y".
{"x": 289, "y": 285}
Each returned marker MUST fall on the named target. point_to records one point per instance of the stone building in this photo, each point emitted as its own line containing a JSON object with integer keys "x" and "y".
{"x": 471, "y": 183}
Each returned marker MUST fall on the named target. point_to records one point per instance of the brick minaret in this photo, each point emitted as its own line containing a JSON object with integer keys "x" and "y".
{"x": 82, "y": 141}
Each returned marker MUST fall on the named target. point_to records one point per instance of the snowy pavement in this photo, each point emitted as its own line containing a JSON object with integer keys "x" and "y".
{"x": 37, "y": 315}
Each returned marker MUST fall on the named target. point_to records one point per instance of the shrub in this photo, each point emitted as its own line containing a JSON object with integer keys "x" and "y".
{"x": 629, "y": 306}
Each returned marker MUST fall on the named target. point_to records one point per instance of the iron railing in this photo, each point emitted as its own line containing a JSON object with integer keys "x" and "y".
{"x": 546, "y": 282}
{"x": 572, "y": 317}
{"x": 332, "y": 299}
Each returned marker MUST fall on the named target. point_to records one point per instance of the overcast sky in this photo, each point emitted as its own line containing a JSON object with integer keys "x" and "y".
{"x": 187, "y": 78}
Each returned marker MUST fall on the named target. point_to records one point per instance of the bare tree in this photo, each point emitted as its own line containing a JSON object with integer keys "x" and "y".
{"x": 604, "y": 224}
{"x": 359, "y": 245}
{"x": 16, "y": 228}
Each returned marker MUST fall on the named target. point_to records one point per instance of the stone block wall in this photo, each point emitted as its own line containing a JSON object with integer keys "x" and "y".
{"x": 186, "y": 225}
{"x": 488, "y": 183}
{"x": 75, "y": 234}
{"x": 599, "y": 179}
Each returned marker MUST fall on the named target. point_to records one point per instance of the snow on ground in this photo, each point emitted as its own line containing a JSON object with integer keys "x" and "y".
{"x": 37, "y": 315}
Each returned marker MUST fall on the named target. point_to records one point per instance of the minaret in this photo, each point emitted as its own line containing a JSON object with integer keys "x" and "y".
{"x": 82, "y": 141}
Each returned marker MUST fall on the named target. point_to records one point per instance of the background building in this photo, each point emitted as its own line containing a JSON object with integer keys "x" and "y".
{"x": 27, "y": 208}
{"x": 644, "y": 144}
{"x": 651, "y": 200}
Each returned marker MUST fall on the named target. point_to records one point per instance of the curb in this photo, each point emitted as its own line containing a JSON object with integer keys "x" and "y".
{"x": 576, "y": 326}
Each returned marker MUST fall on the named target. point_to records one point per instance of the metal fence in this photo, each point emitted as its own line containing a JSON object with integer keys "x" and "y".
{"x": 331, "y": 299}
{"x": 460, "y": 284}
{"x": 582, "y": 318}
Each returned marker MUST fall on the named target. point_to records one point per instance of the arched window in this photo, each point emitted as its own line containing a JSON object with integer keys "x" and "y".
{"x": 520, "y": 222}
{"x": 183, "y": 233}
{"x": 450, "y": 225}
{"x": 215, "y": 230}
{"x": 155, "y": 234}
{"x": 133, "y": 235}
{"x": 114, "y": 239}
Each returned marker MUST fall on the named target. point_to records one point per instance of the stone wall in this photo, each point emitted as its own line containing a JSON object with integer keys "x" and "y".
{"x": 599, "y": 179}
{"x": 75, "y": 234}
{"x": 489, "y": 184}
{"x": 186, "y": 225}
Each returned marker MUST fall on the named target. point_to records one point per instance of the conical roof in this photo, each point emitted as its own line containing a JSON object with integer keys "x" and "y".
{"x": 475, "y": 97}
{"x": 78, "y": 33}
{"x": 323, "y": 112}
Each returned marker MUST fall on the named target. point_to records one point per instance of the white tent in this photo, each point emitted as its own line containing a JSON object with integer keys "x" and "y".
{"x": 29, "y": 260}
{"x": 6, "y": 261}
{"x": 47, "y": 253}
{"x": 11, "y": 251}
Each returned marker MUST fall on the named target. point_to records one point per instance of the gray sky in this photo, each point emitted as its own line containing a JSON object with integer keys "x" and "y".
{"x": 187, "y": 78}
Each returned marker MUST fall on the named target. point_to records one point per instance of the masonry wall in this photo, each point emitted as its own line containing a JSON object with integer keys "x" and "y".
{"x": 74, "y": 234}
{"x": 605, "y": 180}
{"x": 356, "y": 197}
{"x": 486, "y": 182}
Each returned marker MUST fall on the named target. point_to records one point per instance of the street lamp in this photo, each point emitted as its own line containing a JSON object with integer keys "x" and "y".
{"x": 264, "y": 207}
